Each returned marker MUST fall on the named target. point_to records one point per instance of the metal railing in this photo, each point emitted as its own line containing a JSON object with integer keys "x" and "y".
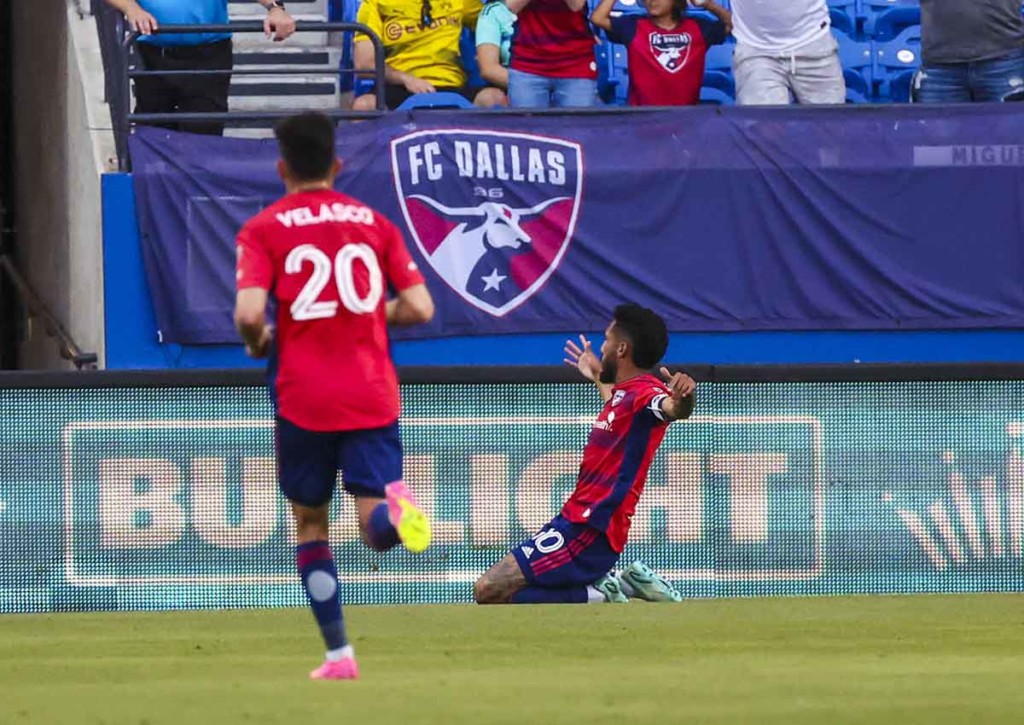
{"x": 35, "y": 307}
{"x": 111, "y": 28}
{"x": 120, "y": 62}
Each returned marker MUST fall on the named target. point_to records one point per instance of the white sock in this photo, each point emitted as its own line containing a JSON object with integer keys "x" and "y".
{"x": 342, "y": 653}
{"x": 595, "y": 596}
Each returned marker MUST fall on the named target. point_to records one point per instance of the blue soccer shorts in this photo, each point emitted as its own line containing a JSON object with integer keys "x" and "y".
{"x": 308, "y": 461}
{"x": 564, "y": 554}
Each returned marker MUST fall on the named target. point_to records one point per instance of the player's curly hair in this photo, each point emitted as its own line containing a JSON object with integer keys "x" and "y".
{"x": 307, "y": 145}
{"x": 645, "y": 330}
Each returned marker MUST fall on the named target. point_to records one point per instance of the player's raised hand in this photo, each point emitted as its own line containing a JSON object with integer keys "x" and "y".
{"x": 680, "y": 385}
{"x": 583, "y": 358}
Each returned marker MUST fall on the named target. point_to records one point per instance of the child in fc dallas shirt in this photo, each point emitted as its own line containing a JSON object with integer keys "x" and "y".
{"x": 665, "y": 48}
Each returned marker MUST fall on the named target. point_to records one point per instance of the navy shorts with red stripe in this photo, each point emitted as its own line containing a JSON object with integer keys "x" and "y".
{"x": 564, "y": 554}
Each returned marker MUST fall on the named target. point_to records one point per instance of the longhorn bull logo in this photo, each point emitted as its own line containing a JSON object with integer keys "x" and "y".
{"x": 495, "y": 253}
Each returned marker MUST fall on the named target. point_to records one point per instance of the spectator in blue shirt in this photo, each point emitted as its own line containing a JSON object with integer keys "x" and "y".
{"x": 193, "y": 51}
{"x": 494, "y": 30}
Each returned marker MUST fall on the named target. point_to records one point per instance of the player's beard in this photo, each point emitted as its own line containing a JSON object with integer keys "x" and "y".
{"x": 609, "y": 369}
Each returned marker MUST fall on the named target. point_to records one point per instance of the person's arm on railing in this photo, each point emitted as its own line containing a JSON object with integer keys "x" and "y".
{"x": 362, "y": 57}
{"x": 278, "y": 23}
{"x": 138, "y": 19}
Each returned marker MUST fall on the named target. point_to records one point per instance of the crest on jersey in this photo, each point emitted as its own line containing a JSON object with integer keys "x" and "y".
{"x": 492, "y": 212}
{"x": 671, "y": 50}
{"x": 617, "y": 398}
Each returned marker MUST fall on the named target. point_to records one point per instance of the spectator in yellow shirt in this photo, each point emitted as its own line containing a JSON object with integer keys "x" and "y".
{"x": 421, "y": 47}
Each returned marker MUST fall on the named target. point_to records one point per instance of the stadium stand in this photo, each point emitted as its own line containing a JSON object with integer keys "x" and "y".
{"x": 317, "y": 53}
{"x": 879, "y": 48}
{"x": 857, "y": 57}
{"x": 896, "y": 62}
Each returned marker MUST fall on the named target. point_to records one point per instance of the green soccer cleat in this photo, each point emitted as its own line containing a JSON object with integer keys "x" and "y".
{"x": 612, "y": 590}
{"x": 647, "y": 585}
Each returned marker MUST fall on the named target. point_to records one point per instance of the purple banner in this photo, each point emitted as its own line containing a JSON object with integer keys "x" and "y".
{"x": 720, "y": 219}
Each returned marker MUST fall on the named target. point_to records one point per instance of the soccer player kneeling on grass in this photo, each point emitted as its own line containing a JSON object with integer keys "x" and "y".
{"x": 327, "y": 260}
{"x": 572, "y": 559}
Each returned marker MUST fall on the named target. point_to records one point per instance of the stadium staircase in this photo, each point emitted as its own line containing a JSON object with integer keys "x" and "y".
{"x": 317, "y": 53}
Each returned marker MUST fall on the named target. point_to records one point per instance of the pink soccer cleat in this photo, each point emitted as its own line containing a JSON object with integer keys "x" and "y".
{"x": 407, "y": 517}
{"x": 345, "y": 669}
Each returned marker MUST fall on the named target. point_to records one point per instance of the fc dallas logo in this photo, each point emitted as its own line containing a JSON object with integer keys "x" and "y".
{"x": 672, "y": 50}
{"x": 492, "y": 212}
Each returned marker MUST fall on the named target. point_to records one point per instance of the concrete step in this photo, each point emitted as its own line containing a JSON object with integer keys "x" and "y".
{"x": 284, "y": 57}
{"x": 272, "y": 93}
{"x": 251, "y": 41}
{"x": 249, "y": 9}
{"x": 249, "y": 132}
{"x": 295, "y": 104}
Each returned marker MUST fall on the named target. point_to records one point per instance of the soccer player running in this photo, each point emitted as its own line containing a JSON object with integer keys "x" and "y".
{"x": 572, "y": 558}
{"x": 327, "y": 260}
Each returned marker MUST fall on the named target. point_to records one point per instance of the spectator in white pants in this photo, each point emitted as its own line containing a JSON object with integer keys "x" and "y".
{"x": 785, "y": 50}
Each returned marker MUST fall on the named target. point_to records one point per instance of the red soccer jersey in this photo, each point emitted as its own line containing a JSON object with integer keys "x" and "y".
{"x": 553, "y": 41}
{"x": 617, "y": 457}
{"x": 666, "y": 67}
{"x": 327, "y": 261}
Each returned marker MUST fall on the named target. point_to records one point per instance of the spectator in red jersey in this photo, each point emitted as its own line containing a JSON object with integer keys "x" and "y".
{"x": 571, "y": 559}
{"x": 552, "y": 61}
{"x": 666, "y": 49}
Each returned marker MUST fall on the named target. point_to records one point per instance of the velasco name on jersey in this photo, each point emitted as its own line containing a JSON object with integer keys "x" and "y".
{"x": 337, "y": 212}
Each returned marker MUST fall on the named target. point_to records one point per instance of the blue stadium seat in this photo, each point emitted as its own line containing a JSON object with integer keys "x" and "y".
{"x": 444, "y": 99}
{"x": 617, "y": 90}
{"x": 896, "y": 62}
{"x": 889, "y": 22}
{"x": 467, "y": 46}
{"x": 858, "y": 68}
{"x": 716, "y": 97}
{"x": 627, "y": 7}
{"x": 605, "y": 87}
{"x": 362, "y": 86}
{"x": 718, "y": 69}
{"x": 345, "y": 11}
{"x": 843, "y": 21}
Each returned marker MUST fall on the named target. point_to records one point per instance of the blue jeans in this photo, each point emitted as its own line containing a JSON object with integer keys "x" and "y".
{"x": 526, "y": 90}
{"x": 998, "y": 79}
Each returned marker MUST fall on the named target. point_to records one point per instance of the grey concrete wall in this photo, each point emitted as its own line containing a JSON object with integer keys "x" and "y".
{"x": 60, "y": 153}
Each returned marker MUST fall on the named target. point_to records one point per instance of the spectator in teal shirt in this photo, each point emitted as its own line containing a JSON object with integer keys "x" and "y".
{"x": 189, "y": 51}
{"x": 494, "y": 31}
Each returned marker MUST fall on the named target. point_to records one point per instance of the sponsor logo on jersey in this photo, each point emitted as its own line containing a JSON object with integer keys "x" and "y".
{"x": 671, "y": 50}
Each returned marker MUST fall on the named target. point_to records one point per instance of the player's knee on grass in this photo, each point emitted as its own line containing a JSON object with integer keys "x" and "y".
{"x": 500, "y": 582}
{"x": 487, "y": 591}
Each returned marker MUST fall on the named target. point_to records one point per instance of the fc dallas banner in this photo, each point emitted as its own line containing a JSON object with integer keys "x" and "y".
{"x": 735, "y": 219}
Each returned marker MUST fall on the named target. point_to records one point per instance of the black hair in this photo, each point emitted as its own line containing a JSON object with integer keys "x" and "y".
{"x": 679, "y": 9}
{"x": 645, "y": 330}
{"x": 307, "y": 145}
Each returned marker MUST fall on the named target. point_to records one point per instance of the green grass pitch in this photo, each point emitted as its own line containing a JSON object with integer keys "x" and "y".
{"x": 792, "y": 661}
